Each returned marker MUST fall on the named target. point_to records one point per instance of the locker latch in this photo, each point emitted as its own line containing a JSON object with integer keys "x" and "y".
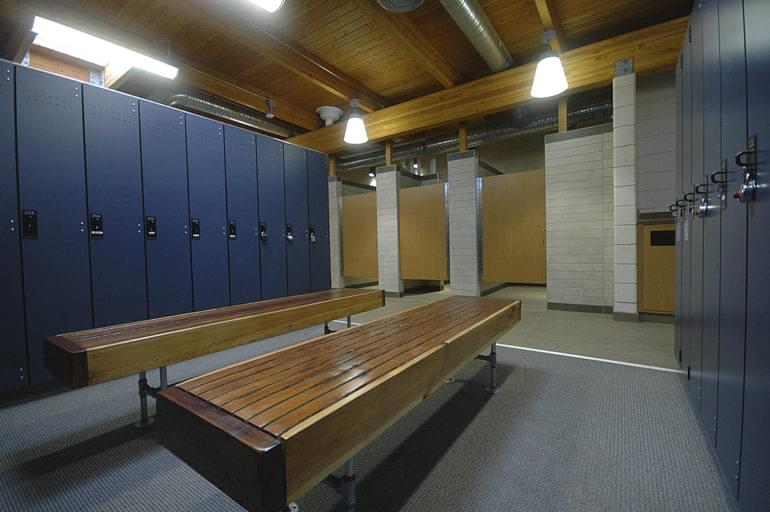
{"x": 719, "y": 178}
{"x": 312, "y": 234}
{"x": 289, "y": 233}
{"x": 232, "y": 233}
{"x": 747, "y": 161}
{"x": 151, "y": 227}
{"x": 96, "y": 226}
{"x": 195, "y": 229}
{"x": 29, "y": 224}
{"x": 263, "y": 231}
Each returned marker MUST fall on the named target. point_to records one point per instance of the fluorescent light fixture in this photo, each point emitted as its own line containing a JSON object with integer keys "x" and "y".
{"x": 549, "y": 77}
{"x": 416, "y": 165}
{"x": 355, "y": 131}
{"x": 75, "y": 43}
{"x": 269, "y": 5}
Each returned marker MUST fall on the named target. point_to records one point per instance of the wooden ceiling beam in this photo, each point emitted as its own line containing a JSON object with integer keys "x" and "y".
{"x": 292, "y": 57}
{"x": 550, "y": 19}
{"x": 208, "y": 80}
{"x": 653, "y": 48}
{"x": 410, "y": 37}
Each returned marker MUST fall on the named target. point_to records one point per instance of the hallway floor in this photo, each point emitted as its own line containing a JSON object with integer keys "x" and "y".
{"x": 585, "y": 334}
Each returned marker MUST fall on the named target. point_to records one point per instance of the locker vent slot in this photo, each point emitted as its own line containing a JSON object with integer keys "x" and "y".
{"x": 667, "y": 237}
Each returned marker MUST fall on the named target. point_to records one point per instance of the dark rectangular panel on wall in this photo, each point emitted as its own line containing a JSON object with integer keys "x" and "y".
{"x": 13, "y": 342}
{"x": 272, "y": 220}
{"x": 164, "y": 171}
{"x": 712, "y": 137}
{"x": 297, "y": 250}
{"x": 687, "y": 219}
{"x": 696, "y": 235}
{"x": 318, "y": 209}
{"x": 52, "y": 191}
{"x": 755, "y": 461}
{"x": 732, "y": 314}
{"x": 114, "y": 170}
{"x": 242, "y": 215}
{"x": 208, "y": 212}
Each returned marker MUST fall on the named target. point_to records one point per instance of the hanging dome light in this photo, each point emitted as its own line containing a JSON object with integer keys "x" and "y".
{"x": 355, "y": 132}
{"x": 549, "y": 75}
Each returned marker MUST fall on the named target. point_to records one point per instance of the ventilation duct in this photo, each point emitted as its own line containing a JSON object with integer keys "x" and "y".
{"x": 227, "y": 113}
{"x": 400, "y": 5}
{"x": 450, "y": 143}
{"x": 473, "y": 21}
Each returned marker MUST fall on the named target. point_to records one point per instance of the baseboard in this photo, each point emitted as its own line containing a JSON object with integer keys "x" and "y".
{"x": 394, "y": 295}
{"x": 581, "y": 308}
{"x": 493, "y": 289}
{"x": 625, "y": 317}
{"x": 658, "y": 318}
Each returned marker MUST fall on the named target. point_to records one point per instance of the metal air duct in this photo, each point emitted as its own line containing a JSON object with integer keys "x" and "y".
{"x": 473, "y": 22}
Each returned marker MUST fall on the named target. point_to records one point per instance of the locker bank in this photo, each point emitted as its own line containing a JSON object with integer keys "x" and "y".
{"x": 378, "y": 255}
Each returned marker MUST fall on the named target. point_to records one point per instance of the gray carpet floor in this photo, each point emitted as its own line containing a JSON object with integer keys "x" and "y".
{"x": 563, "y": 434}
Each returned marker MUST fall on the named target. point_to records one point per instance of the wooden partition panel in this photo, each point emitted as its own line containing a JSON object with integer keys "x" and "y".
{"x": 359, "y": 235}
{"x": 657, "y": 263}
{"x": 513, "y": 212}
{"x": 422, "y": 212}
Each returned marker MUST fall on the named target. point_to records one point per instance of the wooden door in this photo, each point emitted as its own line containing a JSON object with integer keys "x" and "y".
{"x": 422, "y": 214}
{"x": 657, "y": 264}
{"x": 513, "y": 211}
{"x": 359, "y": 235}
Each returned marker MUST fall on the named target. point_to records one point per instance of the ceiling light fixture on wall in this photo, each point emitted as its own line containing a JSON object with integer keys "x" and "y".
{"x": 549, "y": 75}
{"x": 372, "y": 173}
{"x": 269, "y": 5}
{"x": 355, "y": 132}
{"x": 80, "y": 45}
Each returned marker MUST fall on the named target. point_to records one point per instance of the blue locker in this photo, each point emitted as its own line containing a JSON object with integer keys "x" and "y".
{"x": 52, "y": 191}
{"x": 712, "y": 151}
{"x": 685, "y": 235}
{"x": 13, "y": 343}
{"x": 696, "y": 234}
{"x": 732, "y": 314}
{"x": 166, "y": 212}
{"x": 755, "y": 462}
{"x": 297, "y": 236}
{"x": 114, "y": 171}
{"x": 242, "y": 215}
{"x": 272, "y": 220}
{"x": 679, "y": 218}
{"x": 318, "y": 208}
{"x": 208, "y": 212}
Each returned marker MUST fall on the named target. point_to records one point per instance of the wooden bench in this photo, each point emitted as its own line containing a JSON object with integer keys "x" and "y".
{"x": 98, "y": 355}
{"x": 267, "y": 430}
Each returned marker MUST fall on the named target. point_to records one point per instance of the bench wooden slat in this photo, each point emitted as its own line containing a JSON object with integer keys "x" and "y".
{"x": 98, "y": 355}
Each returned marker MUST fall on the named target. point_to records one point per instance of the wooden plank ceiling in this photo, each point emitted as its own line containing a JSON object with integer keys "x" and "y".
{"x": 323, "y": 52}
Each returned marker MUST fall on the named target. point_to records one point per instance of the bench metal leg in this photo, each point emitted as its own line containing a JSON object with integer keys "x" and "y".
{"x": 348, "y": 490}
{"x": 163, "y": 377}
{"x": 144, "y": 417}
{"x": 348, "y": 322}
{"x": 492, "y": 369}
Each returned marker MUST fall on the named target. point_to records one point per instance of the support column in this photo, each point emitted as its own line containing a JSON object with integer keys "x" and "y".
{"x": 624, "y": 188}
{"x": 335, "y": 231}
{"x": 388, "y": 234}
{"x": 464, "y": 223}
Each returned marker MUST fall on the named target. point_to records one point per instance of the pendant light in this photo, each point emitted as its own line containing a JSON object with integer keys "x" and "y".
{"x": 355, "y": 132}
{"x": 549, "y": 75}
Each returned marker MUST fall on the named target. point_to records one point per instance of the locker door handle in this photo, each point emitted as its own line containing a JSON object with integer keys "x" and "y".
{"x": 312, "y": 234}
{"x": 702, "y": 188}
{"x": 719, "y": 177}
{"x": 151, "y": 227}
{"x": 231, "y": 230}
{"x": 747, "y": 159}
{"x": 96, "y": 226}
{"x": 29, "y": 224}
{"x": 263, "y": 231}
{"x": 289, "y": 233}
{"x": 680, "y": 203}
{"x": 689, "y": 197}
{"x": 195, "y": 229}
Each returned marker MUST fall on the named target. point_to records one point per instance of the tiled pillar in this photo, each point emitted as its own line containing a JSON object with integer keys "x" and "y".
{"x": 464, "y": 223}
{"x": 388, "y": 254}
{"x": 624, "y": 179}
{"x": 335, "y": 231}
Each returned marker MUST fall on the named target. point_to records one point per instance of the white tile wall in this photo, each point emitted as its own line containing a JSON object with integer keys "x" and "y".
{"x": 389, "y": 262}
{"x": 462, "y": 205}
{"x": 579, "y": 219}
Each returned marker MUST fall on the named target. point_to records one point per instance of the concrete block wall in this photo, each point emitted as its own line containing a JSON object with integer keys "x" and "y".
{"x": 464, "y": 229}
{"x": 625, "y": 216}
{"x": 335, "y": 232}
{"x": 388, "y": 239}
{"x": 579, "y": 219}
{"x": 655, "y": 142}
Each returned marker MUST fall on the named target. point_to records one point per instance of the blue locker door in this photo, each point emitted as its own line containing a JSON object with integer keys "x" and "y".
{"x": 732, "y": 314}
{"x": 272, "y": 220}
{"x": 164, "y": 173}
{"x": 687, "y": 218}
{"x": 678, "y": 193}
{"x": 318, "y": 206}
{"x": 297, "y": 224}
{"x": 242, "y": 215}
{"x": 712, "y": 138}
{"x": 114, "y": 170}
{"x": 52, "y": 190}
{"x": 755, "y": 466}
{"x": 13, "y": 343}
{"x": 208, "y": 212}
{"x": 696, "y": 235}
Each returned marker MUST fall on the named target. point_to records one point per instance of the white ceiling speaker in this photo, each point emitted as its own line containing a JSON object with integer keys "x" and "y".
{"x": 400, "y": 5}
